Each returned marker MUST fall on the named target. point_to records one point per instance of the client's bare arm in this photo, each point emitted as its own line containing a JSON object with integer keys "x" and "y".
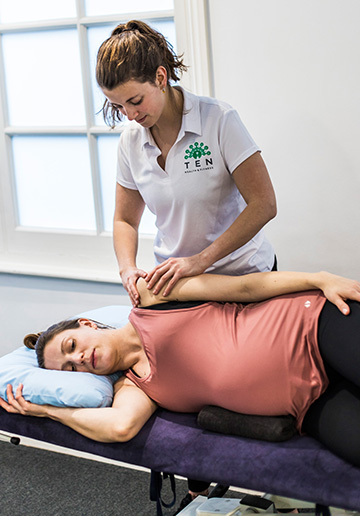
{"x": 119, "y": 423}
{"x": 255, "y": 287}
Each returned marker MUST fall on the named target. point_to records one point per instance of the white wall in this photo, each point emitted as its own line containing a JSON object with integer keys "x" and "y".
{"x": 292, "y": 70}
{"x": 30, "y": 304}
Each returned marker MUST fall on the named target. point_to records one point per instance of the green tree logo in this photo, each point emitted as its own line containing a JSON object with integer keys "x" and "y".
{"x": 197, "y": 150}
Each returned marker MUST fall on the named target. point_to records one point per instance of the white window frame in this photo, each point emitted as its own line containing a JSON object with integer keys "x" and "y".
{"x": 83, "y": 254}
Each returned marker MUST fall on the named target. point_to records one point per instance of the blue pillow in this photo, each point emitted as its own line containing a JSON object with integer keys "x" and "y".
{"x": 61, "y": 388}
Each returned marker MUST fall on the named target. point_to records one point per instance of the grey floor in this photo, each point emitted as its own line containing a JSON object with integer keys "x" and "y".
{"x": 36, "y": 482}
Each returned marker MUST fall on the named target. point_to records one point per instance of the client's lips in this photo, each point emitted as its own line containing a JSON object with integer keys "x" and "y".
{"x": 141, "y": 120}
{"x": 93, "y": 359}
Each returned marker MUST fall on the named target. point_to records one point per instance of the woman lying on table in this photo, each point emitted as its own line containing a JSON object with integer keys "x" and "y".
{"x": 294, "y": 354}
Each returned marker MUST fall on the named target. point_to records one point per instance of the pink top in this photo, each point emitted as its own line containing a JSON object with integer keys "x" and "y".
{"x": 260, "y": 358}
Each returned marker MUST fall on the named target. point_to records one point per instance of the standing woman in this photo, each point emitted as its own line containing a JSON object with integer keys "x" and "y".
{"x": 189, "y": 159}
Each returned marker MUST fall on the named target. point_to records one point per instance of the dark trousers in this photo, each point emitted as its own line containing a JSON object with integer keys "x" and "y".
{"x": 334, "y": 418}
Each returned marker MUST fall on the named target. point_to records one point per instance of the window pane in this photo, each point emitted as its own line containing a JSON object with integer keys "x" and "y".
{"x": 97, "y": 35}
{"x": 43, "y": 78}
{"x": 107, "y": 146}
{"x": 94, "y": 7}
{"x": 15, "y": 11}
{"x": 107, "y": 155}
{"x": 53, "y": 182}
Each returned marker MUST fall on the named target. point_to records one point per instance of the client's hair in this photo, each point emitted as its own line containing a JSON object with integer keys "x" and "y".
{"x": 38, "y": 341}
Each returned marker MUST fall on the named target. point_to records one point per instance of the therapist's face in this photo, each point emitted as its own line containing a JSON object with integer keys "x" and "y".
{"x": 143, "y": 102}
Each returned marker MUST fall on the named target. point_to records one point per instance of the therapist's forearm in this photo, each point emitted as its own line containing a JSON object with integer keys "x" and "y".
{"x": 244, "y": 228}
{"x": 125, "y": 240}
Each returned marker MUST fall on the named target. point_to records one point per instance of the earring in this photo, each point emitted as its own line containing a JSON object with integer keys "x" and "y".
{"x": 163, "y": 90}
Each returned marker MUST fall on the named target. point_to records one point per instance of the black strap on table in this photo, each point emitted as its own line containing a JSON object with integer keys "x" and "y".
{"x": 322, "y": 510}
{"x": 156, "y": 481}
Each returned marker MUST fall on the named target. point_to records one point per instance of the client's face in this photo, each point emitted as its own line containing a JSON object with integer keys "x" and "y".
{"x": 85, "y": 349}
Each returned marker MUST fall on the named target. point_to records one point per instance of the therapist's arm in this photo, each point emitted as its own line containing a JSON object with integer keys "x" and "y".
{"x": 129, "y": 207}
{"x": 256, "y": 287}
{"x": 254, "y": 184}
{"x": 119, "y": 423}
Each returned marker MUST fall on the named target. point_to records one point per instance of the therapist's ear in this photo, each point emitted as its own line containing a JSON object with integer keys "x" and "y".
{"x": 161, "y": 77}
{"x": 87, "y": 322}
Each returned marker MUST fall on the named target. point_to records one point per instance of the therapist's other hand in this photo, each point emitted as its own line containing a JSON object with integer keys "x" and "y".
{"x": 129, "y": 278}
{"x": 18, "y": 405}
{"x": 170, "y": 271}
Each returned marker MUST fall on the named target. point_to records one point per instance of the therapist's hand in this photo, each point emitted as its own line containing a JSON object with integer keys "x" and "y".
{"x": 129, "y": 278}
{"x": 18, "y": 405}
{"x": 170, "y": 271}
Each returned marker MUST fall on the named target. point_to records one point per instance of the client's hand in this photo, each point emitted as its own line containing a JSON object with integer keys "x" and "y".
{"x": 18, "y": 405}
{"x": 338, "y": 289}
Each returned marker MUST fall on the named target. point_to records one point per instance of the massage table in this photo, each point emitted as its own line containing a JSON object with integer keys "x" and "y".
{"x": 173, "y": 443}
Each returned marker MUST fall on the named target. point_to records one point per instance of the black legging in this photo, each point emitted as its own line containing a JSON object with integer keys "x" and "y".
{"x": 334, "y": 419}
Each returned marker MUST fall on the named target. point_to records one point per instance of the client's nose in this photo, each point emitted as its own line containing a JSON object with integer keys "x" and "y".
{"x": 78, "y": 359}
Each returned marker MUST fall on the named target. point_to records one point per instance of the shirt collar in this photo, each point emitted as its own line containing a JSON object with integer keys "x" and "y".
{"x": 146, "y": 137}
{"x": 191, "y": 121}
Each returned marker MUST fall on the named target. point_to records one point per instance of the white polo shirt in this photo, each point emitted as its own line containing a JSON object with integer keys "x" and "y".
{"x": 195, "y": 198}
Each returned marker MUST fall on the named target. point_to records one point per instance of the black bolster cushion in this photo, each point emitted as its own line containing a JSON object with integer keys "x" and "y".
{"x": 266, "y": 428}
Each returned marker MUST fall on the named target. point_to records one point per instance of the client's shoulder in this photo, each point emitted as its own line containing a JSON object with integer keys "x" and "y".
{"x": 147, "y": 298}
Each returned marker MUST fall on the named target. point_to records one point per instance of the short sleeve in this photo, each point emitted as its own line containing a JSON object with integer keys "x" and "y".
{"x": 123, "y": 175}
{"x": 235, "y": 141}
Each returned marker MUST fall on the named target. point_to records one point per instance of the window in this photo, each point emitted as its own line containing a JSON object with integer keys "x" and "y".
{"x": 57, "y": 157}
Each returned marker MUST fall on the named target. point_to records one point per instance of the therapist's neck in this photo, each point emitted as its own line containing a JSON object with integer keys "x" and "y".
{"x": 171, "y": 116}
